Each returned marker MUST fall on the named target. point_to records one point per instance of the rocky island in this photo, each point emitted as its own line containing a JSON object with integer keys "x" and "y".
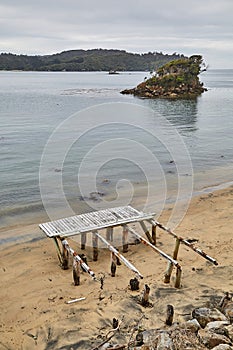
{"x": 175, "y": 79}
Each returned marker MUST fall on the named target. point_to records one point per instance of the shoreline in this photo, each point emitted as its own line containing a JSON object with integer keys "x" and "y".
{"x": 32, "y": 231}
{"x": 34, "y": 313}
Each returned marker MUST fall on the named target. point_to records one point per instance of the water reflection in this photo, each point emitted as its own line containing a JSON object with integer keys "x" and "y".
{"x": 180, "y": 113}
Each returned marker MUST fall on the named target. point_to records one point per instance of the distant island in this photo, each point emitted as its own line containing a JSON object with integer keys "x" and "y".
{"x": 176, "y": 79}
{"x": 88, "y": 60}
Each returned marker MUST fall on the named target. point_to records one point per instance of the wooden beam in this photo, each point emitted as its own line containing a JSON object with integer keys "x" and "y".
{"x": 95, "y": 246}
{"x": 77, "y": 257}
{"x": 109, "y": 234}
{"x": 59, "y": 253}
{"x": 153, "y": 234}
{"x": 168, "y": 273}
{"x": 121, "y": 257}
{"x": 76, "y": 272}
{"x": 83, "y": 240}
{"x": 184, "y": 241}
{"x": 157, "y": 250}
{"x": 113, "y": 264}
{"x": 147, "y": 233}
{"x": 125, "y": 234}
{"x": 171, "y": 261}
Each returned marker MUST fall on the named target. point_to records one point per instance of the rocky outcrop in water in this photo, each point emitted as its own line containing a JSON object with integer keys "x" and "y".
{"x": 176, "y": 79}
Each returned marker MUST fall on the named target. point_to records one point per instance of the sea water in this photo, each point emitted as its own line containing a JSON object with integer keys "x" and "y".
{"x": 34, "y": 104}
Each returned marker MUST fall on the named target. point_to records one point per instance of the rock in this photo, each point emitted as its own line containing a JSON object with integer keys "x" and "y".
{"x": 211, "y": 339}
{"x": 150, "y": 335}
{"x": 228, "y": 311}
{"x": 230, "y": 331}
{"x": 165, "y": 342}
{"x": 218, "y": 327}
{"x": 216, "y": 324}
{"x": 205, "y": 315}
{"x": 223, "y": 347}
{"x": 193, "y": 325}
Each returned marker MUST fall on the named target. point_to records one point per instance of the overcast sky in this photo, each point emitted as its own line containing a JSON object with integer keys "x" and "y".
{"x": 183, "y": 26}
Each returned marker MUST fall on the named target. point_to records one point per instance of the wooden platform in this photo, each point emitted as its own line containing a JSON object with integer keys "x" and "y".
{"x": 93, "y": 221}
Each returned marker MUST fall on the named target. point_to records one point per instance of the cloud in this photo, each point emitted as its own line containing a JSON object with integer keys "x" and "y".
{"x": 187, "y": 27}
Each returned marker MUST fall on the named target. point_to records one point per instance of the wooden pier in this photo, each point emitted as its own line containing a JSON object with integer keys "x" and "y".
{"x": 108, "y": 219}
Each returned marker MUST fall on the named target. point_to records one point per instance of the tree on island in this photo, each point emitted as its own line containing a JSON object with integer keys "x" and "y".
{"x": 176, "y": 79}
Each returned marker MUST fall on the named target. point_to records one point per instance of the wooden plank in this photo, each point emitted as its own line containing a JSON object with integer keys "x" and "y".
{"x": 98, "y": 220}
{"x": 121, "y": 257}
{"x": 184, "y": 241}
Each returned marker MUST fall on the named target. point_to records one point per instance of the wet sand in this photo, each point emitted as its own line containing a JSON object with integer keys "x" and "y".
{"x": 34, "y": 290}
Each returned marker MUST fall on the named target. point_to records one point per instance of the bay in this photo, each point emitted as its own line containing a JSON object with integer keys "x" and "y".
{"x": 34, "y": 104}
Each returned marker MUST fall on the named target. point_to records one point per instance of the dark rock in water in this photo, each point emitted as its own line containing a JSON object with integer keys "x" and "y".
{"x": 96, "y": 196}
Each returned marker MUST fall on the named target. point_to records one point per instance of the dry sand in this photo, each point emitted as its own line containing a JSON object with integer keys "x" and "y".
{"x": 34, "y": 289}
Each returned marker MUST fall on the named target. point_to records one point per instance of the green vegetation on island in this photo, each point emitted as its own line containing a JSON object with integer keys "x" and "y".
{"x": 177, "y": 78}
{"x": 87, "y": 60}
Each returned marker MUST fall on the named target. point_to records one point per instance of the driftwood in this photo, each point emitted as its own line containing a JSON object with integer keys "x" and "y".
{"x": 75, "y": 300}
{"x": 170, "y": 314}
{"x": 145, "y": 296}
{"x": 109, "y": 336}
{"x": 224, "y": 301}
{"x": 139, "y": 339}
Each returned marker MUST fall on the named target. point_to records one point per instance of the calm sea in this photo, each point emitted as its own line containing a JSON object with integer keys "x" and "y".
{"x": 33, "y": 104}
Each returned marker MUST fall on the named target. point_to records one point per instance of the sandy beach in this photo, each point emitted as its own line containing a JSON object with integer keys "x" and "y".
{"x": 34, "y": 290}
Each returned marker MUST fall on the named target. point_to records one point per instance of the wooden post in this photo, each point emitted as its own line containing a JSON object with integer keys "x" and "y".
{"x": 145, "y": 296}
{"x": 125, "y": 239}
{"x": 134, "y": 284}
{"x": 186, "y": 242}
{"x": 59, "y": 253}
{"x": 178, "y": 277}
{"x": 65, "y": 258}
{"x": 121, "y": 257}
{"x": 113, "y": 264}
{"x": 147, "y": 233}
{"x": 77, "y": 257}
{"x": 115, "y": 323}
{"x": 83, "y": 240}
{"x": 109, "y": 234}
{"x": 153, "y": 234}
{"x": 95, "y": 246}
{"x": 168, "y": 273}
{"x": 170, "y": 314}
{"x": 76, "y": 272}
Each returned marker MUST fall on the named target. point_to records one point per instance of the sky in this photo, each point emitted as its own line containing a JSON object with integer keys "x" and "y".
{"x": 187, "y": 27}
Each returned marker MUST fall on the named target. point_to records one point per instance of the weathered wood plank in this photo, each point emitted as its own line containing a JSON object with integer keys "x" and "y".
{"x": 92, "y": 221}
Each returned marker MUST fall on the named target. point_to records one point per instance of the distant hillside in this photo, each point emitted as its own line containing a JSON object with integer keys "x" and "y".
{"x": 87, "y": 60}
